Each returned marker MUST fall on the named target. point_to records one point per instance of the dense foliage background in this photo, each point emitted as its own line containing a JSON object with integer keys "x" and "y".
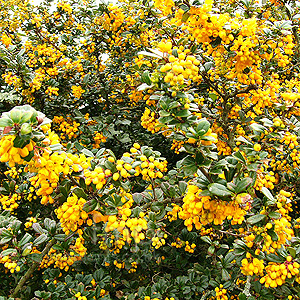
{"x": 149, "y": 150}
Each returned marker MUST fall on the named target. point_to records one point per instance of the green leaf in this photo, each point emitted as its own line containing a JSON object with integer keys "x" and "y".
{"x": 9, "y": 251}
{"x": 164, "y": 113}
{"x": 183, "y": 113}
{"x": 182, "y": 185}
{"x": 211, "y": 250}
{"x": 219, "y": 190}
{"x": 202, "y": 127}
{"x": 87, "y": 152}
{"x": 60, "y": 237}
{"x": 225, "y": 275}
{"x": 208, "y": 66}
{"x": 5, "y": 122}
{"x": 189, "y": 165}
{"x": 242, "y": 296}
{"x": 26, "y": 128}
{"x": 25, "y": 239}
{"x": 273, "y": 235}
{"x": 20, "y": 142}
{"x": 5, "y": 240}
{"x": 55, "y": 147}
{"x": 100, "y": 152}
{"x": 238, "y": 155}
{"x": 243, "y": 184}
{"x": 79, "y": 192}
{"x": 292, "y": 251}
{"x": 26, "y": 116}
{"x": 274, "y": 215}
{"x": 274, "y": 258}
{"x": 268, "y": 194}
{"x": 37, "y": 227}
{"x": 146, "y": 78}
{"x": 185, "y": 17}
{"x": 37, "y": 257}
{"x": 41, "y": 239}
{"x": 206, "y": 239}
{"x": 255, "y": 219}
{"x": 16, "y": 115}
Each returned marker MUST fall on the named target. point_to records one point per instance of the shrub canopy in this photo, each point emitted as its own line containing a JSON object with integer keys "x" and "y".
{"x": 149, "y": 150}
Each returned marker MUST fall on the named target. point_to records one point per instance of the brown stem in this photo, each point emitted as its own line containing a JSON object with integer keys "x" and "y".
{"x": 31, "y": 269}
{"x": 206, "y": 174}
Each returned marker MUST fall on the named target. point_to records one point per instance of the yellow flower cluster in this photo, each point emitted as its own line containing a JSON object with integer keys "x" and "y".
{"x": 252, "y": 265}
{"x": 222, "y": 146}
{"x": 13, "y": 172}
{"x": 71, "y": 214}
{"x": 151, "y": 167}
{"x": 176, "y": 146}
{"x": 97, "y": 177}
{"x": 117, "y": 244}
{"x": 6, "y": 40}
{"x": 202, "y": 210}
{"x": 221, "y": 293}
{"x": 128, "y": 227}
{"x": 67, "y": 126}
{"x": 52, "y": 91}
{"x": 98, "y": 139}
{"x": 135, "y": 97}
{"x": 46, "y": 55}
{"x": 149, "y": 121}
{"x": 284, "y": 231}
{"x": 12, "y": 79}
{"x": 9, "y": 264}
{"x": 65, "y": 6}
{"x": 133, "y": 267}
{"x": 264, "y": 179}
{"x": 149, "y": 298}
{"x": 179, "y": 244}
{"x": 277, "y": 273}
{"x": 49, "y": 166}
{"x": 158, "y": 242}
{"x": 64, "y": 260}
{"x": 295, "y": 156}
{"x": 77, "y": 91}
{"x": 11, "y": 154}
{"x": 79, "y": 297}
{"x": 164, "y": 6}
{"x": 181, "y": 68}
{"x": 58, "y": 260}
{"x": 114, "y": 19}
{"x": 10, "y": 202}
{"x": 31, "y": 221}
{"x": 119, "y": 265}
{"x": 281, "y": 226}
{"x": 290, "y": 140}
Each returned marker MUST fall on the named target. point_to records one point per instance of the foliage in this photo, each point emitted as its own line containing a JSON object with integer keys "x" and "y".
{"x": 149, "y": 150}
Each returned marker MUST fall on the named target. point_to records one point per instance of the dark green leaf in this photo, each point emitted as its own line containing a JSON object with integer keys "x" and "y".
{"x": 219, "y": 190}
{"x": 255, "y": 219}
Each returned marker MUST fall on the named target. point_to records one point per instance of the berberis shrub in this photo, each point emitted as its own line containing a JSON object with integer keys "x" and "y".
{"x": 149, "y": 150}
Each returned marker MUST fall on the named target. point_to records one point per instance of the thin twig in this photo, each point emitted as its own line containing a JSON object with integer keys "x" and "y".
{"x": 31, "y": 269}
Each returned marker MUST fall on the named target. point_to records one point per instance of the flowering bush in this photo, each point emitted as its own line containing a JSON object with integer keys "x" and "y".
{"x": 149, "y": 150}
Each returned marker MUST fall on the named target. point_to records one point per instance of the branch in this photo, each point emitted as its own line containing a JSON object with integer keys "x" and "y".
{"x": 206, "y": 174}
{"x": 230, "y": 233}
{"x": 31, "y": 269}
{"x": 244, "y": 91}
{"x": 246, "y": 290}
